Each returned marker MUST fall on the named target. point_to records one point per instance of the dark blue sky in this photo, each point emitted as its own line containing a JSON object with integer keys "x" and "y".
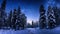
{"x": 29, "y": 7}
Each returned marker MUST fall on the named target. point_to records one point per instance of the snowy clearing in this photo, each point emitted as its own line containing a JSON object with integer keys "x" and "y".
{"x": 32, "y": 31}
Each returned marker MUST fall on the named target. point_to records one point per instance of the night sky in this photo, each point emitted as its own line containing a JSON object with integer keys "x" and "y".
{"x": 29, "y": 7}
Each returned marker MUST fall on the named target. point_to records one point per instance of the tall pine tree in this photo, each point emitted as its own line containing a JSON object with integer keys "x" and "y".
{"x": 21, "y": 19}
{"x": 14, "y": 19}
{"x": 9, "y": 20}
{"x": 42, "y": 20}
{"x": 3, "y": 13}
{"x": 56, "y": 13}
{"x": 18, "y": 18}
{"x": 51, "y": 18}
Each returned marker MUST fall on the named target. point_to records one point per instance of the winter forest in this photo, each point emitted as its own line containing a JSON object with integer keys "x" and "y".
{"x": 15, "y": 22}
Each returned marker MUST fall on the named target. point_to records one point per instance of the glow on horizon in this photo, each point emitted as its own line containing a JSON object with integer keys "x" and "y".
{"x": 29, "y": 21}
{"x": 30, "y": 15}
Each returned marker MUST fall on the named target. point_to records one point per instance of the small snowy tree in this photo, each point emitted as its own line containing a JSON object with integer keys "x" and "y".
{"x": 32, "y": 24}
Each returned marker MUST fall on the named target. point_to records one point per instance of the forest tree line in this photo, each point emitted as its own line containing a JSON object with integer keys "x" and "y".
{"x": 49, "y": 18}
{"x": 15, "y": 19}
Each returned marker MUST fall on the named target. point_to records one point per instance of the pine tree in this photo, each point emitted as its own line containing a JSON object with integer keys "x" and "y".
{"x": 19, "y": 10}
{"x": 23, "y": 21}
{"x": 42, "y": 20}
{"x": 51, "y": 18}
{"x": 9, "y": 20}
{"x": 18, "y": 18}
{"x": 3, "y": 13}
{"x": 32, "y": 24}
{"x": 14, "y": 19}
{"x": 56, "y": 13}
{"x": 21, "y": 18}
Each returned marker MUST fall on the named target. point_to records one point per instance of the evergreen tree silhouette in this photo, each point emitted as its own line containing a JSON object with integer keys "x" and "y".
{"x": 51, "y": 18}
{"x": 3, "y": 13}
{"x": 9, "y": 22}
{"x": 56, "y": 13}
{"x": 18, "y": 18}
{"x": 32, "y": 24}
{"x": 14, "y": 19}
{"x": 23, "y": 21}
{"x": 42, "y": 20}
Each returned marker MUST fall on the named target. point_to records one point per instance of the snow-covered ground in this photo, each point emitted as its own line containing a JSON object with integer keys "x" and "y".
{"x": 32, "y": 31}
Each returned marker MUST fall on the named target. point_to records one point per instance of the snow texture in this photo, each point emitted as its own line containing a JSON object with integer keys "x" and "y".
{"x": 32, "y": 31}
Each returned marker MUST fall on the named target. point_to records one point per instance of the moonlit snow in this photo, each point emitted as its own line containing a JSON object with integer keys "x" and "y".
{"x": 32, "y": 31}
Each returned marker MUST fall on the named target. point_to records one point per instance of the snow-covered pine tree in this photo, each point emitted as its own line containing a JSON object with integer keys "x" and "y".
{"x": 56, "y": 13}
{"x": 18, "y": 18}
{"x": 14, "y": 19}
{"x": 42, "y": 20}
{"x": 51, "y": 18}
{"x": 0, "y": 19}
{"x": 23, "y": 21}
{"x": 3, "y": 13}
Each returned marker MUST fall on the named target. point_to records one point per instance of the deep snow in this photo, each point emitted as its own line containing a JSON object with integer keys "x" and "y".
{"x": 32, "y": 31}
